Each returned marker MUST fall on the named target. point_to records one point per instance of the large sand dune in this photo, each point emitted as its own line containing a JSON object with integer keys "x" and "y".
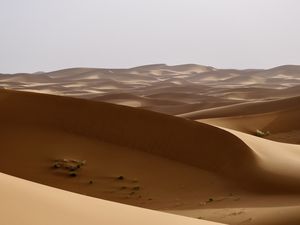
{"x": 178, "y": 139}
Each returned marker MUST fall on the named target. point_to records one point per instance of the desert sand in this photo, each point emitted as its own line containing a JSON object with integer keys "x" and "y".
{"x": 38, "y": 204}
{"x": 177, "y": 139}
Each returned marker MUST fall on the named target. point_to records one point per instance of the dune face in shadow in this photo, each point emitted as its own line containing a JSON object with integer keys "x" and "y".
{"x": 220, "y": 145}
{"x": 132, "y": 128}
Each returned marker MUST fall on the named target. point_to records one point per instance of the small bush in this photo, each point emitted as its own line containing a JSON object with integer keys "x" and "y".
{"x": 56, "y": 165}
{"x": 210, "y": 200}
{"x": 72, "y": 174}
{"x": 69, "y": 165}
{"x": 260, "y": 133}
{"x": 120, "y": 177}
{"x": 136, "y": 188}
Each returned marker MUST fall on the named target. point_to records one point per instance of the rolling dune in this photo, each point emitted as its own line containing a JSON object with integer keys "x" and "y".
{"x": 283, "y": 126}
{"x": 243, "y": 109}
{"x": 128, "y": 127}
{"x": 163, "y": 82}
{"x": 280, "y": 120}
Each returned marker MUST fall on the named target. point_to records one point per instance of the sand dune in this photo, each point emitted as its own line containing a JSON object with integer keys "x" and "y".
{"x": 184, "y": 154}
{"x": 132, "y": 128}
{"x": 164, "y": 82}
{"x": 36, "y": 204}
{"x": 244, "y": 109}
{"x": 282, "y": 126}
{"x": 279, "y": 119}
{"x": 278, "y": 158}
{"x": 255, "y": 215}
{"x": 129, "y": 127}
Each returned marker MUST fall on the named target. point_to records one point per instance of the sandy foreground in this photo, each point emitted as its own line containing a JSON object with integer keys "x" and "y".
{"x": 198, "y": 157}
{"x": 28, "y": 203}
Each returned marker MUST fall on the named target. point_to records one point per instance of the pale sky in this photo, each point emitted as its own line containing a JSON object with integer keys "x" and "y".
{"x": 45, "y": 35}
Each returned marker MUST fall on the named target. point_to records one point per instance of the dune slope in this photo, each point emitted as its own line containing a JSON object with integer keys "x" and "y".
{"x": 28, "y": 203}
{"x": 174, "y": 138}
{"x": 281, "y": 123}
{"x": 243, "y": 109}
{"x": 43, "y": 120}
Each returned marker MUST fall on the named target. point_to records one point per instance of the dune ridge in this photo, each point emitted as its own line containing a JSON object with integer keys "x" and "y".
{"x": 138, "y": 129}
{"x": 147, "y": 85}
{"x": 243, "y": 109}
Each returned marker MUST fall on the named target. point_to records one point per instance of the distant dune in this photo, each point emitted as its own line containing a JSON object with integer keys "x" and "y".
{"x": 243, "y": 109}
{"x": 162, "y": 82}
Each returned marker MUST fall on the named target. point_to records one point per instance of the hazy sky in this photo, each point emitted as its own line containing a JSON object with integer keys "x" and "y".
{"x": 47, "y": 35}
